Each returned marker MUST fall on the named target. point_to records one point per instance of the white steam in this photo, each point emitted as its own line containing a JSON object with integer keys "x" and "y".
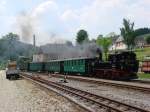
{"x": 26, "y": 25}
{"x": 30, "y": 23}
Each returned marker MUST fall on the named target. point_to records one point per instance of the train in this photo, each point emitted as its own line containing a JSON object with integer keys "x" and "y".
{"x": 119, "y": 66}
{"x": 12, "y": 72}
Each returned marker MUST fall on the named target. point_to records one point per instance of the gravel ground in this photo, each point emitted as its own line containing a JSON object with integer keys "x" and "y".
{"x": 132, "y": 97}
{"x": 24, "y": 96}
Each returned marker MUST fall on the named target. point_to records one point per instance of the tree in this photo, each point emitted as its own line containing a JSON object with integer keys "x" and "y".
{"x": 111, "y": 34}
{"x": 148, "y": 39}
{"x": 12, "y": 48}
{"x": 11, "y": 37}
{"x": 141, "y": 31}
{"x": 127, "y": 33}
{"x": 100, "y": 36}
{"x": 69, "y": 43}
{"x": 82, "y": 36}
{"x": 10, "y": 40}
{"x": 104, "y": 42}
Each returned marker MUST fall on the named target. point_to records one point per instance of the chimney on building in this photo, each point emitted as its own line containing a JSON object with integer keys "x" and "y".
{"x": 34, "y": 44}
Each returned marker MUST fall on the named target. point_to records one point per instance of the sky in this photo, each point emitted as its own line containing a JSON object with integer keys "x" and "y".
{"x": 55, "y": 21}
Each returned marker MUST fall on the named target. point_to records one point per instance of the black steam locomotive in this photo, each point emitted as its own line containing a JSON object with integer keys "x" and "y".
{"x": 120, "y": 66}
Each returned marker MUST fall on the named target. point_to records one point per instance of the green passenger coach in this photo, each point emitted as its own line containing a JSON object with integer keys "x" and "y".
{"x": 80, "y": 66}
{"x": 54, "y": 66}
{"x": 36, "y": 66}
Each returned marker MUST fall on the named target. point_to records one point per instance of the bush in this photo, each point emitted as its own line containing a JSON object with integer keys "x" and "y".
{"x": 148, "y": 39}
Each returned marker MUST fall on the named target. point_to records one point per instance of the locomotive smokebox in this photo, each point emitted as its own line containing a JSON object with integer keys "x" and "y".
{"x": 99, "y": 54}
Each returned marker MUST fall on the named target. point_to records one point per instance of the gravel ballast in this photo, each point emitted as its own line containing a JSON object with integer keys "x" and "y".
{"x": 23, "y": 96}
{"x": 131, "y": 97}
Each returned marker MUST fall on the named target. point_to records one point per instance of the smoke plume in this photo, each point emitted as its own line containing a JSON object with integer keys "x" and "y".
{"x": 66, "y": 51}
{"x": 26, "y": 25}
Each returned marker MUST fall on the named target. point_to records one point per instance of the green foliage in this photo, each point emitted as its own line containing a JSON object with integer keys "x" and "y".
{"x": 127, "y": 32}
{"x": 11, "y": 48}
{"x": 69, "y": 43}
{"x": 11, "y": 37}
{"x": 141, "y": 53}
{"x": 82, "y": 36}
{"x": 148, "y": 39}
{"x": 104, "y": 43}
{"x": 141, "y": 31}
{"x": 2, "y": 65}
{"x": 143, "y": 76}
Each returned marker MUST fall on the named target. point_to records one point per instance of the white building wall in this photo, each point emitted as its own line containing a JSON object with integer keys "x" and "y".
{"x": 118, "y": 45}
{"x": 39, "y": 58}
{"x": 115, "y": 46}
{"x": 121, "y": 46}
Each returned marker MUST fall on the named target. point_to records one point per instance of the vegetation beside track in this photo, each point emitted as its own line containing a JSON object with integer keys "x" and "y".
{"x": 142, "y": 52}
{"x": 144, "y": 76}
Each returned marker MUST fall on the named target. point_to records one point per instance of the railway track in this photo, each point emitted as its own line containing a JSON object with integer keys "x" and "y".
{"x": 142, "y": 81}
{"x": 91, "y": 102}
{"x": 115, "y": 84}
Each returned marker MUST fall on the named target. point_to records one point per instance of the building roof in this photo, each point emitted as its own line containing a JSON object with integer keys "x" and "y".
{"x": 120, "y": 39}
{"x": 114, "y": 38}
{"x": 142, "y": 37}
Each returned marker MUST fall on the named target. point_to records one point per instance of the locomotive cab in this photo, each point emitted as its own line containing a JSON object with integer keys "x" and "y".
{"x": 124, "y": 61}
{"x": 119, "y": 66}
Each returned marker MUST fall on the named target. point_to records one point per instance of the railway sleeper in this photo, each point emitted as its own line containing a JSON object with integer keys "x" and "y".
{"x": 61, "y": 87}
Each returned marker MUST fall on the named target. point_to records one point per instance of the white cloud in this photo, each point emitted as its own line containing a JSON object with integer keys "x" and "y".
{"x": 139, "y": 12}
{"x": 44, "y": 7}
{"x": 2, "y": 3}
{"x": 69, "y": 15}
{"x": 2, "y": 6}
{"x": 95, "y": 16}
{"x": 104, "y": 16}
{"x": 29, "y": 23}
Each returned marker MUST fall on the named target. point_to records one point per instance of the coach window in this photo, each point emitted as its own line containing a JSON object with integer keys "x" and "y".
{"x": 80, "y": 62}
{"x": 77, "y": 62}
{"x": 74, "y": 62}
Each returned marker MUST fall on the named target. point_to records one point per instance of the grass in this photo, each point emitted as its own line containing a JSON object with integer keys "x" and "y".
{"x": 2, "y": 66}
{"x": 142, "y": 52}
{"x": 143, "y": 76}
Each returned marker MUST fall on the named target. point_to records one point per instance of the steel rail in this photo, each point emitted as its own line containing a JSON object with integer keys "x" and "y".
{"x": 106, "y": 103}
{"x": 115, "y": 84}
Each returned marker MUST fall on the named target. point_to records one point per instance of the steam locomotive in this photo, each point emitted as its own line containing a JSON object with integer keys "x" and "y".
{"x": 119, "y": 66}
